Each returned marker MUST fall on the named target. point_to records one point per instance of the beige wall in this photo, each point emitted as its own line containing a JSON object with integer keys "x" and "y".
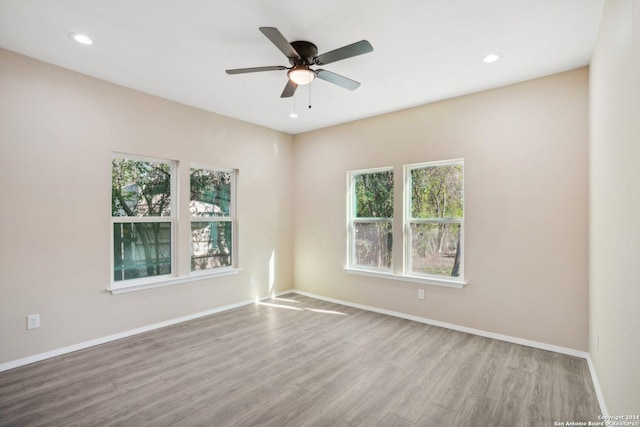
{"x": 615, "y": 203}
{"x": 57, "y": 131}
{"x": 525, "y": 151}
{"x": 526, "y": 200}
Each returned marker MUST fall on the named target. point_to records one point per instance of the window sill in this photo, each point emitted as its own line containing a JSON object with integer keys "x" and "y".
{"x": 158, "y": 283}
{"x": 403, "y": 278}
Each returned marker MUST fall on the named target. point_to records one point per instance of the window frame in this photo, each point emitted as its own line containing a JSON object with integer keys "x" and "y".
{"x": 401, "y": 227}
{"x": 180, "y": 225}
{"x": 408, "y": 220}
{"x": 172, "y": 219}
{"x": 230, "y": 218}
{"x": 353, "y": 219}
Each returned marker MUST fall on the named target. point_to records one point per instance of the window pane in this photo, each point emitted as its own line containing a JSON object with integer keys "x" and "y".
{"x": 434, "y": 249}
{"x": 373, "y": 242}
{"x": 374, "y": 195}
{"x": 436, "y": 192}
{"x": 140, "y": 188}
{"x": 210, "y": 193}
{"x": 210, "y": 244}
{"x": 141, "y": 250}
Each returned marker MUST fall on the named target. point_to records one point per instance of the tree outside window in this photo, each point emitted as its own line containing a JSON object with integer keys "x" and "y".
{"x": 435, "y": 219}
{"x": 432, "y": 219}
{"x": 212, "y": 216}
{"x": 142, "y": 215}
{"x": 371, "y": 219}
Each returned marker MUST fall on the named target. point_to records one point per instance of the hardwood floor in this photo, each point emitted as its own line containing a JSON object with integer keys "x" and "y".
{"x": 298, "y": 361}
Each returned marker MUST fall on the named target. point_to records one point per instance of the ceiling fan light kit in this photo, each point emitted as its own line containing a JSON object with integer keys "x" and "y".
{"x": 302, "y": 56}
{"x": 301, "y": 75}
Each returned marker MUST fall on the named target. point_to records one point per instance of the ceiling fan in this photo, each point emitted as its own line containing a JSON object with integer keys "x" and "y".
{"x": 302, "y": 55}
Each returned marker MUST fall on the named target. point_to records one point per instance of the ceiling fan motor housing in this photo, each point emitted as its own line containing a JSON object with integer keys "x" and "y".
{"x": 307, "y": 51}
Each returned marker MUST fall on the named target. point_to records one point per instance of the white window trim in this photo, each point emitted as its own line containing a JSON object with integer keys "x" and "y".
{"x": 231, "y": 218}
{"x": 155, "y": 282}
{"x": 405, "y": 275}
{"x": 426, "y": 280}
{"x": 408, "y": 220}
{"x": 173, "y": 219}
{"x": 134, "y": 285}
{"x": 351, "y": 219}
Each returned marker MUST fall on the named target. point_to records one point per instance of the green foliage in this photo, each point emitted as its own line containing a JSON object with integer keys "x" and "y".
{"x": 373, "y": 244}
{"x": 211, "y": 187}
{"x": 374, "y": 195}
{"x": 143, "y": 189}
{"x": 373, "y": 199}
{"x": 140, "y": 188}
{"x": 210, "y": 196}
{"x": 436, "y": 192}
{"x": 435, "y": 248}
{"x": 211, "y": 244}
{"x": 141, "y": 249}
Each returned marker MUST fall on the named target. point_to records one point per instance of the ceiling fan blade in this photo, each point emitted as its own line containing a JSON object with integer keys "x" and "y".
{"x": 256, "y": 69}
{"x": 337, "y": 79}
{"x": 355, "y": 49}
{"x": 281, "y": 43}
{"x": 289, "y": 89}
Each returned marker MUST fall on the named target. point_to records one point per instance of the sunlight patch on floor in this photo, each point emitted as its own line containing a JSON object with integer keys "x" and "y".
{"x": 280, "y": 306}
{"x": 275, "y": 300}
{"x": 317, "y": 310}
{"x": 285, "y": 300}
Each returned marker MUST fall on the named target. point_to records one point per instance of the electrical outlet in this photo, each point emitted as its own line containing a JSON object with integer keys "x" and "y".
{"x": 252, "y": 280}
{"x": 420, "y": 293}
{"x": 33, "y": 321}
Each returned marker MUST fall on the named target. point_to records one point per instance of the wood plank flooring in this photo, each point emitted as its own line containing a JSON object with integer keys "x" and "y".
{"x": 298, "y": 361}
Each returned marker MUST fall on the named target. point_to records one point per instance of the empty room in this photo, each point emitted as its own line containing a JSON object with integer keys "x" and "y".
{"x": 340, "y": 213}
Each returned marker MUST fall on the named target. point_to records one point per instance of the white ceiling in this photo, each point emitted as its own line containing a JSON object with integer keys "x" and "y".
{"x": 424, "y": 50}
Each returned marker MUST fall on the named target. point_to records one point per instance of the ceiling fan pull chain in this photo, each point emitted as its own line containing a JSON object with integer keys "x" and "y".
{"x": 309, "y": 95}
{"x": 293, "y": 115}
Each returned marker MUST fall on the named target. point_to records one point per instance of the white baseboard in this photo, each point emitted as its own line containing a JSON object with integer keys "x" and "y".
{"x": 91, "y": 343}
{"x": 507, "y": 338}
{"x": 596, "y": 385}
{"x": 543, "y": 346}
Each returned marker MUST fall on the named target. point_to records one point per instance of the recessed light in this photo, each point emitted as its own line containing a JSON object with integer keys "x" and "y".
{"x": 293, "y": 115}
{"x": 81, "y": 38}
{"x": 491, "y": 58}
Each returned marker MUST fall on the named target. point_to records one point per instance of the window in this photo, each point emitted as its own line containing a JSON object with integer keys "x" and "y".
{"x": 146, "y": 221}
{"x": 434, "y": 219}
{"x": 212, "y": 217}
{"x": 371, "y": 219}
{"x": 430, "y": 226}
{"x": 142, "y": 216}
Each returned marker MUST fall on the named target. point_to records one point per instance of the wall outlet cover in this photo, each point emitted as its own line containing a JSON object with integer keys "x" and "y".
{"x": 33, "y": 321}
